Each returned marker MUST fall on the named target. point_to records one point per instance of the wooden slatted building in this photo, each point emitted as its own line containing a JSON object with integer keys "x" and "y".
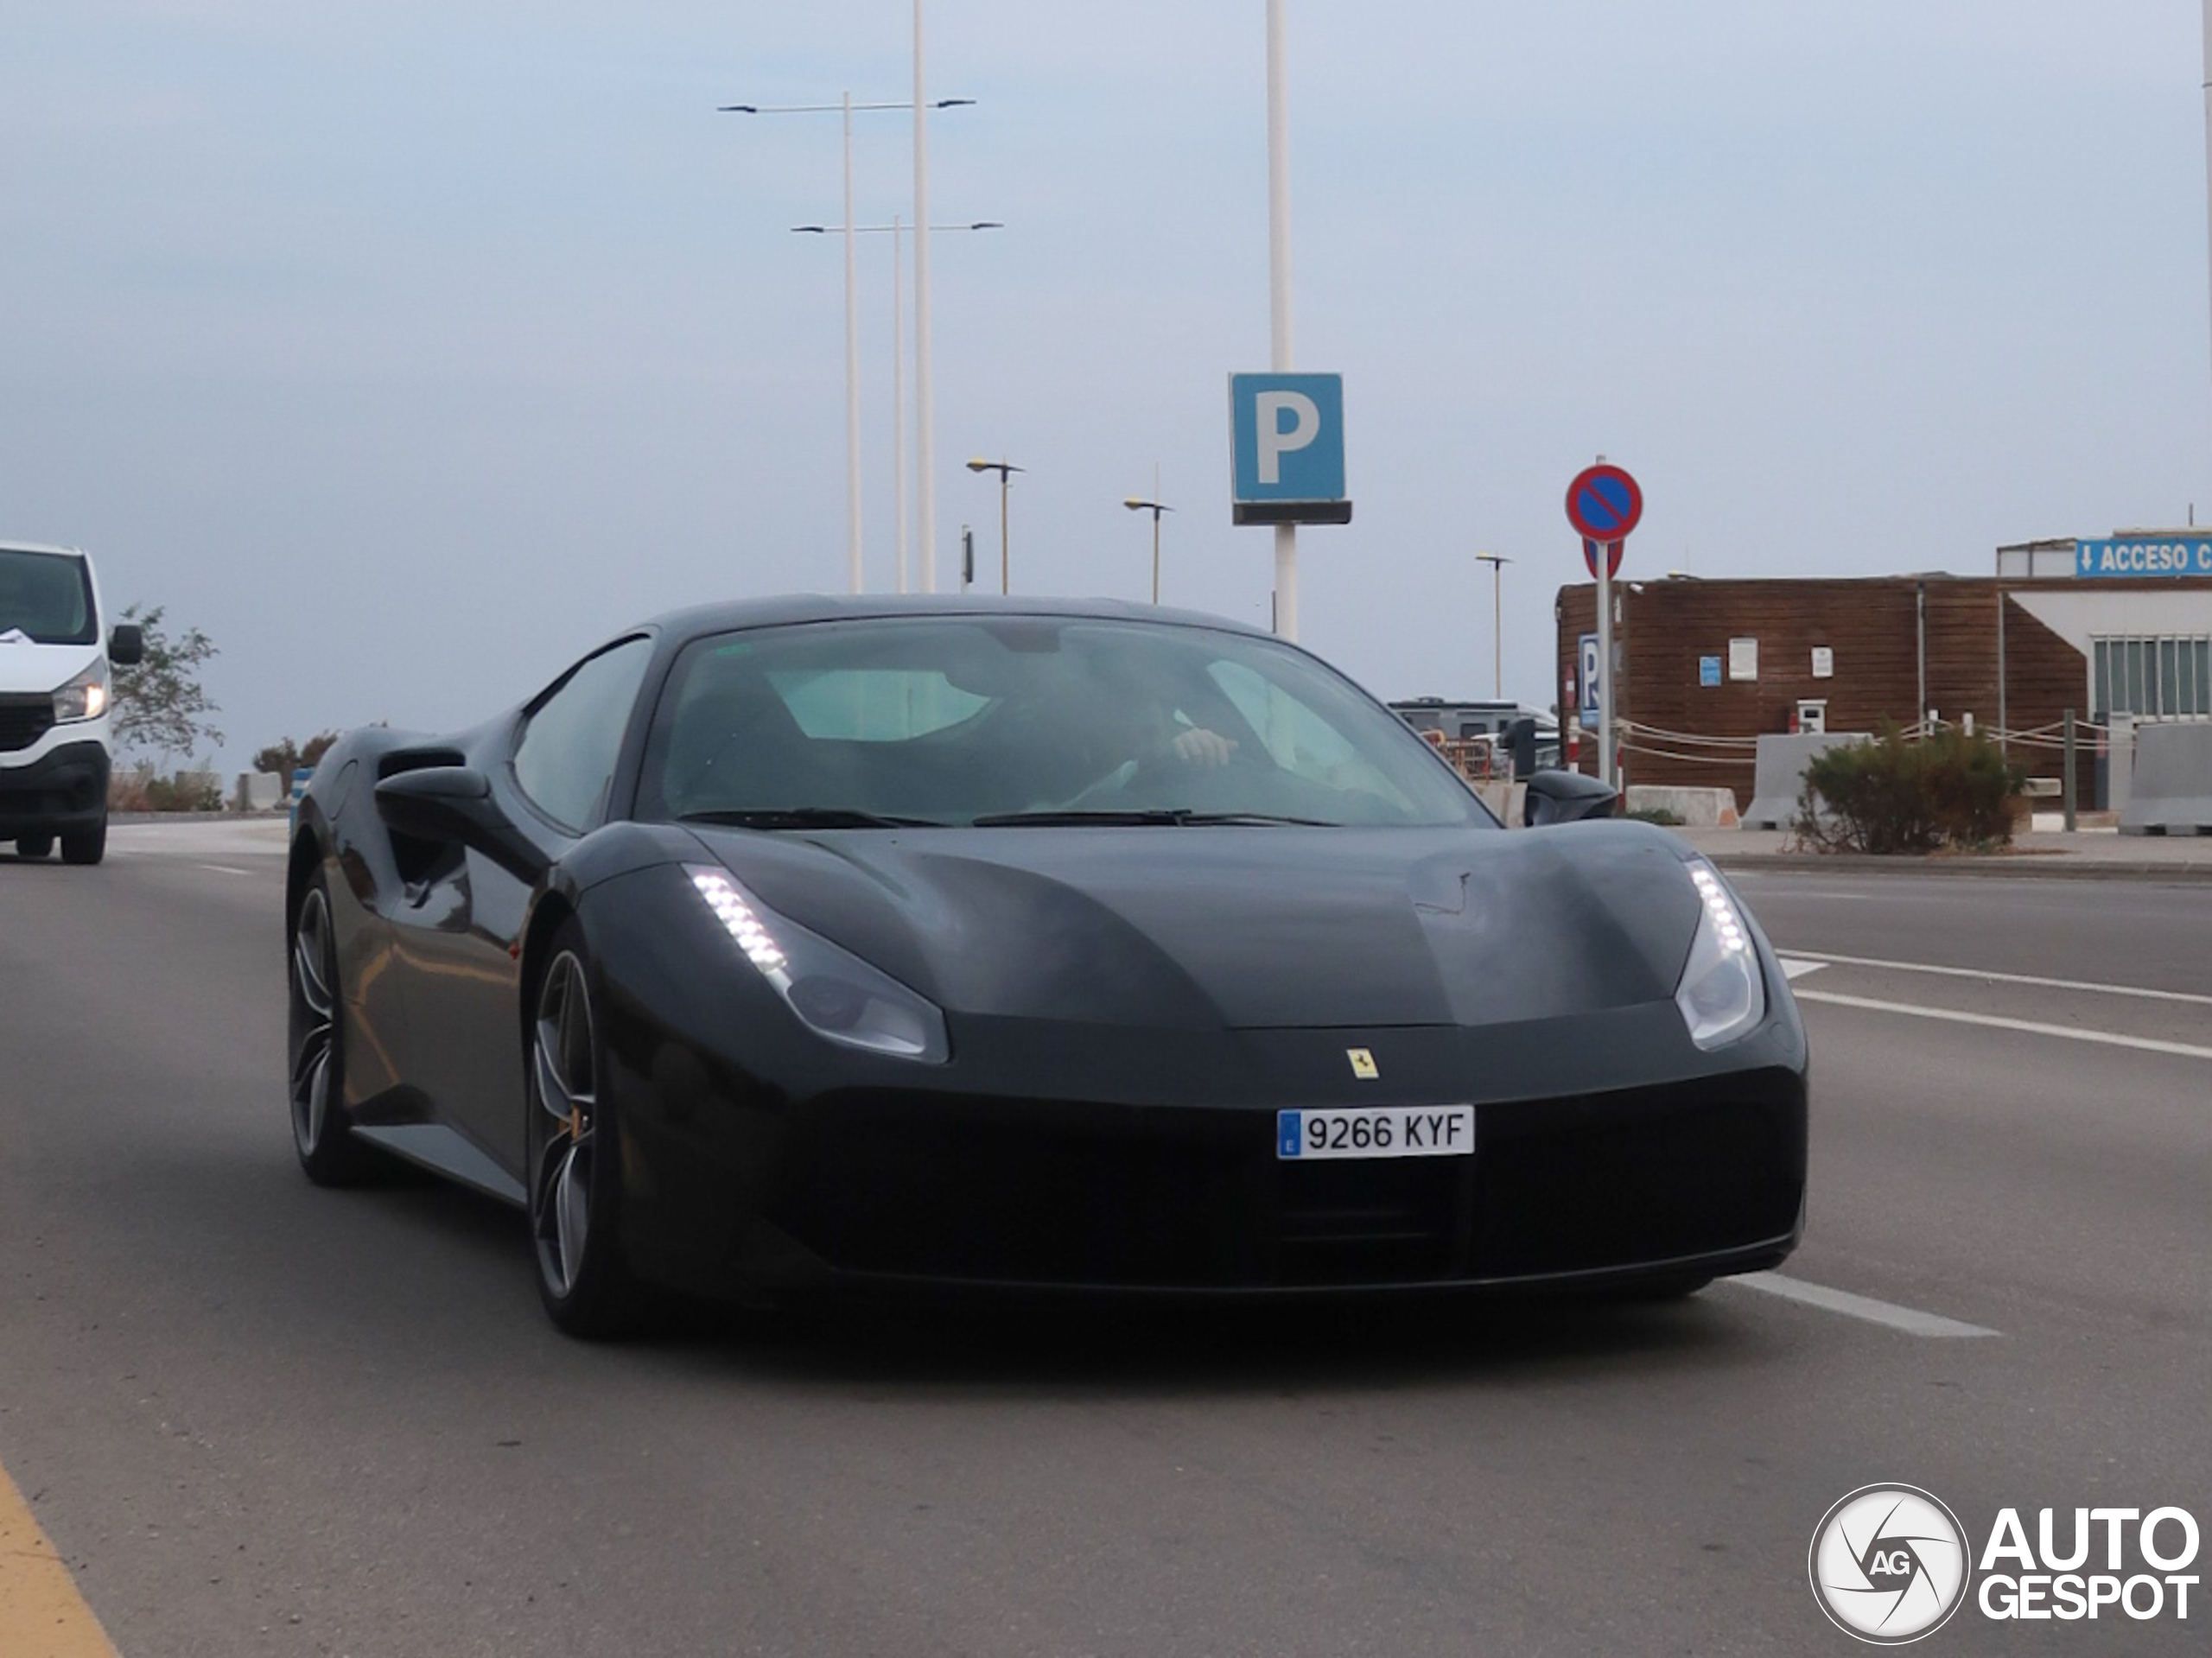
{"x": 2014, "y": 652}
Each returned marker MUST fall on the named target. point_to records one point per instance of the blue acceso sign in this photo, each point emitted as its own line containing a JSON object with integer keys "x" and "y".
{"x": 2143, "y": 558}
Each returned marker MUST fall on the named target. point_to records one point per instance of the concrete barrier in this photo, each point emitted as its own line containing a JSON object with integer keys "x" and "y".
{"x": 2172, "y": 788}
{"x": 1697, "y": 808}
{"x": 1504, "y": 798}
{"x": 1780, "y": 776}
{"x": 258, "y": 791}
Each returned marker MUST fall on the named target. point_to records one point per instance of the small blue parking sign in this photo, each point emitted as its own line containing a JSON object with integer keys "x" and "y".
{"x": 1287, "y": 437}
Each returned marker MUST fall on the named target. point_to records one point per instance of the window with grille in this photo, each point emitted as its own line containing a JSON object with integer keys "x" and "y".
{"x": 2168, "y": 678}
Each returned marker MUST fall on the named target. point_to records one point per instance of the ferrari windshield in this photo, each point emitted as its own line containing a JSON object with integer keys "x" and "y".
{"x": 46, "y": 597}
{"x": 1042, "y": 720}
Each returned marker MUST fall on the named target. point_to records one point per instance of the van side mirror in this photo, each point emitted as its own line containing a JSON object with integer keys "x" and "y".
{"x": 126, "y": 645}
{"x": 453, "y": 805}
{"x": 1566, "y": 798}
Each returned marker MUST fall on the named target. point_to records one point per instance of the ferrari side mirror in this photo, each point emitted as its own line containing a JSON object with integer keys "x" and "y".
{"x": 126, "y": 644}
{"x": 1566, "y": 798}
{"x": 453, "y": 804}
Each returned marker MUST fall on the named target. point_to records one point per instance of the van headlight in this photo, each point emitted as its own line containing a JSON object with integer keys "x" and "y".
{"x": 835, "y": 994}
{"x": 1722, "y": 994}
{"x": 84, "y": 697}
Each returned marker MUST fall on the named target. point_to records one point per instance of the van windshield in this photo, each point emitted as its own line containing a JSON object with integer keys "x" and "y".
{"x": 46, "y": 598}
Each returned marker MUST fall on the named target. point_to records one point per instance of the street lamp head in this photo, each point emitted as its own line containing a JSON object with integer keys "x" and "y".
{"x": 809, "y": 230}
{"x": 979, "y": 465}
{"x": 737, "y": 109}
{"x": 1134, "y": 504}
{"x": 951, "y": 103}
{"x": 987, "y": 224}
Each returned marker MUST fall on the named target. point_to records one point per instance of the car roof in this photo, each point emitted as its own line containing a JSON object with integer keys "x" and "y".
{"x": 699, "y": 619}
{"x": 40, "y": 547}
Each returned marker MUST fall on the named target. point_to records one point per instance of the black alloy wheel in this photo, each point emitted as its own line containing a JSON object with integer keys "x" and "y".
{"x": 574, "y": 1175}
{"x": 322, "y": 1131}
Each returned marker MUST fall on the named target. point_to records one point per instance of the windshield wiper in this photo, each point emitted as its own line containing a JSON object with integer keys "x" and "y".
{"x": 778, "y": 817}
{"x": 1170, "y": 816}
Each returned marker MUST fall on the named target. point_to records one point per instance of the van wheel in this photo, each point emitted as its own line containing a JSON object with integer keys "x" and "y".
{"x": 85, "y": 846}
{"x": 34, "y": 846}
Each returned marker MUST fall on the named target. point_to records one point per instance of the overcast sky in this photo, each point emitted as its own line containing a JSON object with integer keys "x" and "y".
{"x": 411, "y": 349}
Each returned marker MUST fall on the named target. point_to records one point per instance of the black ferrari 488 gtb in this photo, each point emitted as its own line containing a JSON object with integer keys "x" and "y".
{"x": 816, "y": 944}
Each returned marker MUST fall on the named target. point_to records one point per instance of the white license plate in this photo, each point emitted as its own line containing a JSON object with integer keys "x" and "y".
{"x": 1377, "y": 1131}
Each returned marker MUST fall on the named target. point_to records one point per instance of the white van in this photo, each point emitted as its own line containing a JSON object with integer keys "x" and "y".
{"x": 57, "y": 689}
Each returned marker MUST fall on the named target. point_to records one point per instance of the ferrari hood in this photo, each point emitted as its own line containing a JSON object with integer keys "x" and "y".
{"x": 1244, "y": 928}
{"x": 28, "y": 667}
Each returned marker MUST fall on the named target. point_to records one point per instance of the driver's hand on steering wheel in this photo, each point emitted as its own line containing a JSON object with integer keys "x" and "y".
{"x": 1199, "y": 746}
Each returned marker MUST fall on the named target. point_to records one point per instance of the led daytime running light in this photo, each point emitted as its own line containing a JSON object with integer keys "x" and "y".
{"x": 1725, "y": 923}
{"x": 753, "y": 937}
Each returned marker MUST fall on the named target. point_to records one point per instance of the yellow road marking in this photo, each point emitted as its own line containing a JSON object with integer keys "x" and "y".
{"x": 41, "y": 1614}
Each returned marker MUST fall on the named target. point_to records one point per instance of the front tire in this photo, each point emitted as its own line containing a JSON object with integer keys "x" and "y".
{"x": 322, "y": 1132}
{"x": 575, "y": 1195}
{"x": 32, "y": 848}
{"x": 85, "y": 846}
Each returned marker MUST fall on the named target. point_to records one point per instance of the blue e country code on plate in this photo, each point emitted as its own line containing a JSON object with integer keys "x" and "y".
{"x": 1377, "y": 1131}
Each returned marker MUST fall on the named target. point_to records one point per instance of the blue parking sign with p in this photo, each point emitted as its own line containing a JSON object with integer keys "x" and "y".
{"x": 1288, "y": 434}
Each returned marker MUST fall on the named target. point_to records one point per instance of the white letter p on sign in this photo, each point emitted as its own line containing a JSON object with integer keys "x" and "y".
{"x": 1275, "y": 442}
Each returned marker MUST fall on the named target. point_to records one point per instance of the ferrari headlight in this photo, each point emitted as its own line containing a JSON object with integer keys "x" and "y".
{"x": 1722, "y": 995}
{"x": 835, "y": 995}
{"x": 84, "y": 697}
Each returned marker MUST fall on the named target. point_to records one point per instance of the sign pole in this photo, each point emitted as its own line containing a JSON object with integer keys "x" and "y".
{"x": 1604, "y": 664}
{"x": 1605, "y": 503}
{"x": 1286, "y": 608}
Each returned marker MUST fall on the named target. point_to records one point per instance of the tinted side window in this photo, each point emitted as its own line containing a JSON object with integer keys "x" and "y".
{"x": 566, "y": 758}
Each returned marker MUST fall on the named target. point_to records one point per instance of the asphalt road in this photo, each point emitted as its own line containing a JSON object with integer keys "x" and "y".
{"x": 256, "y": 1417}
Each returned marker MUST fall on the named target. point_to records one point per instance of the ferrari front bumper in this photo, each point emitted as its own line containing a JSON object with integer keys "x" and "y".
{"x": 1679, "y": 1180}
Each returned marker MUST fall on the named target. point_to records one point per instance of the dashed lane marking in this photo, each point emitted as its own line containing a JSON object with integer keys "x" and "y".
{"x": 1796, "y": 967}
{"x": 1996, "y": 1022}
{"x": 1911, "y": 1320}
{"x": 41, "y": 1614}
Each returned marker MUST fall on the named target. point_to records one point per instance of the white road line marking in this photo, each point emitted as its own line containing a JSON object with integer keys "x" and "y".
{"x": 1796, "y": 967}
{"x": 1911, "y": 1320}
{"x": 225, "y": 869}
{"x": 2017, "y": 978}
{"x": 2033, "y": 1027}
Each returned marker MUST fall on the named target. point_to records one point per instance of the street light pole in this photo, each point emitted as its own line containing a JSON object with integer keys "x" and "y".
{"x": 895, "y": 229}
{"x": 925, "y": 425}
{"x": 844, "y": 107}
{"x": 1497, "y": 561}
{"x": 1005, "y": 470}
{"x": 1155, "y": 506}
{"x": 2208, "y": 110}
{"x": 898, "y": 401}
{"x": 1282, "y": 353}
{"x": 852, "y": 372}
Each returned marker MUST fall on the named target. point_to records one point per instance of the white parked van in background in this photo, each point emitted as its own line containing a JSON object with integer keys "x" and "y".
{"x": 56, "y": 690}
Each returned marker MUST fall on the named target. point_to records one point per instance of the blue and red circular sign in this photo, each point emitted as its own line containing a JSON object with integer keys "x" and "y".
{"x": 1604, "y": 503}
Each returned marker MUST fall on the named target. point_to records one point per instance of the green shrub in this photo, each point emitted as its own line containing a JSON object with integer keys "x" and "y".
{"x": 141, "y": 789}
{"x": 1658, "y": 815}
{"x": 1897, "y": 794}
